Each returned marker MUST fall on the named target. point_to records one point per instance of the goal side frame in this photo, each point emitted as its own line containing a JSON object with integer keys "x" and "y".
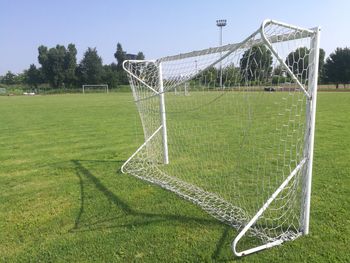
{"x": 305, "y": 165}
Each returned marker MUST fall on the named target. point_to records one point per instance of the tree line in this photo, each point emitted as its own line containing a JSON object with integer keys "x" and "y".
{"x": 59, "y": 68}
{"x": 256, "y": 67}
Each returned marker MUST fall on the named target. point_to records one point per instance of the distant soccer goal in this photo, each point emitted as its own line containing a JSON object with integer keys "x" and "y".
{"x": 3, "y": 91}
{"x": 95, "y": 88}
{"x": 182, "y": 90}
{"x": 241, "y": 146}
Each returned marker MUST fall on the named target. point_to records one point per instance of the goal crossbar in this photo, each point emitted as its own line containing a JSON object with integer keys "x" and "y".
{"x": 302, "y": 33}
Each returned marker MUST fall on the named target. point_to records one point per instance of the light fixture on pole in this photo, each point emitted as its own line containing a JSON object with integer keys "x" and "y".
{"x": 221, "y": 23}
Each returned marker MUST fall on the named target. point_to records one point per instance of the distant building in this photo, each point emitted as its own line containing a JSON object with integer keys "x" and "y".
{"x": 130, "y": 56}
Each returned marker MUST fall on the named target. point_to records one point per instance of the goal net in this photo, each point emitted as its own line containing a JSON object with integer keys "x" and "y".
{"x": 242, "y": 148}
{"x": 102, "y": 88}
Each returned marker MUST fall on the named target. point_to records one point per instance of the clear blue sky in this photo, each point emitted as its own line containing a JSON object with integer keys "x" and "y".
{"x": 157, "y": 28}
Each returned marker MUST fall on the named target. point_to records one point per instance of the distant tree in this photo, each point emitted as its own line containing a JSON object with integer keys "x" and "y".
{"x": 90, "y": 69}
{"x": 120, "y": 56}
{"x": 122, "y": 77}
{"x": 58, "y": 64}
{"x": 298, "y": 62}
{"x": 20, "y": 78}
{"x": 210, "y": 76}
{"x": 33, "y": 76}
{"x": 53, "y": 64}
{"x": 231, "y": 76}
{"x": 280, "y": 75}
{"x": 9, "y": 78}
{"x": 279, "y": 71}
{"x": 256, "y": 63}
{"x": 43, "y": 61}
{"x": 140, "y": 56}
{"x": 337, "y": 67}
{"x": 110, "y": 75}
{"x": 70, "y": 65}
{"x": 321, "y": 65}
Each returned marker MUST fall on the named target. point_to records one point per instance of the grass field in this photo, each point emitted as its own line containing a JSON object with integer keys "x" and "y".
{"x": 63, "y": 198}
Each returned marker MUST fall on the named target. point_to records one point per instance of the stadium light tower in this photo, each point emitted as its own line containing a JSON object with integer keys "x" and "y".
{"x": 221, "y": 23}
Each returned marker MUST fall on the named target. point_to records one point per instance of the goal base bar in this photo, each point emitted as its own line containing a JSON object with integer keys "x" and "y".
{"x": 259, "y": 213}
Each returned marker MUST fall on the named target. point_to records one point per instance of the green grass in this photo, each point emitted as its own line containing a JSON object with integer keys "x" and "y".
{"x": 63, "y": 198}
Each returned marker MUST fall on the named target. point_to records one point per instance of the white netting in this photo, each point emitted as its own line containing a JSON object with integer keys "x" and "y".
{"x": 230, "y": 146}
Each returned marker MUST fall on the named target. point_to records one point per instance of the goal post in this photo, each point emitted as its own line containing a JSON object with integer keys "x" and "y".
{"x": 241, "y": 146}
{"x": 94, "y": 87}
{"x": 182, "y": 89}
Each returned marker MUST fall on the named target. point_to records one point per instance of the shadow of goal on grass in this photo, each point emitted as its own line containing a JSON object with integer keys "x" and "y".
{"x": 101, "y": 208}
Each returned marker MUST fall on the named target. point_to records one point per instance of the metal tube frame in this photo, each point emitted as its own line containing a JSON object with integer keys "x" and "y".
{"x": 163, "y": 115}
{"x": 310, "y": 139}
{"x": 259, "y": 213}
{"x": 305, "y": 165}
{"x": 220, "y": 57}
{"x": 140, "y": 148}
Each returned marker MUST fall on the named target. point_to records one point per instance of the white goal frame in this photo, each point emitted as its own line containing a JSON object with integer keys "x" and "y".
{"x": 97, "y": 85}
{"x": 304, "y": 166}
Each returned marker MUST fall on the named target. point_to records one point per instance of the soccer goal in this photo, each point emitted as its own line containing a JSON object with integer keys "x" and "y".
{"x": 3, "y": 91}
{"x": 182, "y": 90}
{"x": 95, "y": 88}
{"x": 241, "y": 146}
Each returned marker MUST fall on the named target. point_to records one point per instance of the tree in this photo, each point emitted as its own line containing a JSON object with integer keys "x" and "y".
{"x": 140, "y": 56}
{"x": 43, "y": 61}
{"x": 231, "y": 76}
{"x": 52, "y": 62}
{"x": 256, "y": 63}
{"x": 337, "y": 67}
{"x": 210, "y": 75}
{"x": 58, "y": 64}
{"x": 120, "y": 56}
{"x": 279, "y": 71}
{"x": 9, "y": 78}
{"x": 110, "y": 75}
{"x": 90, "y": 69}
{"x": 33, "y": 76}
{"x": 19, "y": 78}
{"x": 70, "y": 65}
{"x": 298, "y": 62}
{"x": 321, "y": 65}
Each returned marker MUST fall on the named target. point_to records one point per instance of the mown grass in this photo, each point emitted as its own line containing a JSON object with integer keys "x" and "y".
{"x": 63, "y": 198}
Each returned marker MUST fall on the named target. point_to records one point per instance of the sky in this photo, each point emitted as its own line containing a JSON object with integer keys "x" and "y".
{"x": 157, "y": 28}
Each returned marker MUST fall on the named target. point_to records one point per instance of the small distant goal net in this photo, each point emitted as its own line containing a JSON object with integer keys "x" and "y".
{"x": 241, "y": 145}
{"x": 95, "y": 88}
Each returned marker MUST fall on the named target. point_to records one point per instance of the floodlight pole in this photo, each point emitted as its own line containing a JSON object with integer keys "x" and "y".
{"x": 221, "y": 23}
